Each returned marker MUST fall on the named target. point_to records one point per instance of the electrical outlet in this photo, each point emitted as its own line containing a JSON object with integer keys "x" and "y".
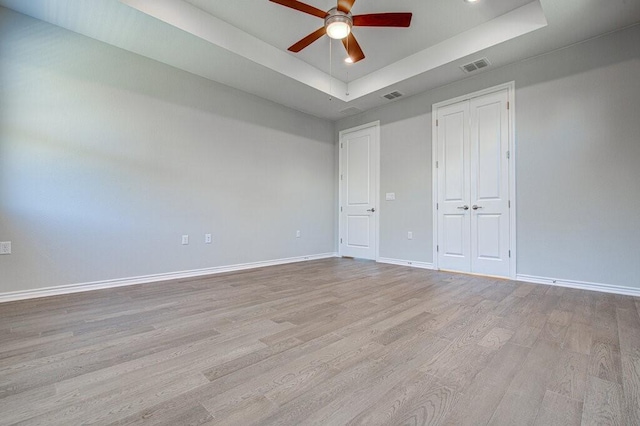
{"x": 298, "y": 234}
{"x": 185, "y": 240}
{"x": 5, "y": 247}
{"x": 207, "y": 238}
{"x": 409, "y": 235}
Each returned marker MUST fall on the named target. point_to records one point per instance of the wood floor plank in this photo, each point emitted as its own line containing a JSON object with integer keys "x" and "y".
{"x": 578, "y": 338}
{"x": 629, "y": 331}
{"x": 603, "y": 403}
{"x": 556, "y": 326}
{"x": 569, "y": 375}
{"x": 332, "y": 341}
{"x": 605, "y": 323}
{"x": 526, "y": 391}
{"x": 605, "y": 362}
{"x": 496, "y": 337}
{"x": 631, "y": 387}
{"x": 559, "y": 410}
{"x": 164, "y": 415}
{"x": 526, "y": 335}
{"x": 421, "y": 399}
{"x": 482, "y": 396}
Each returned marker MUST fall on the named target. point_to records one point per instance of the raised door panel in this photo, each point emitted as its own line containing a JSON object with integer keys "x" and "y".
{"x": 453, "y": 147}
{"x": 358, "y": 171}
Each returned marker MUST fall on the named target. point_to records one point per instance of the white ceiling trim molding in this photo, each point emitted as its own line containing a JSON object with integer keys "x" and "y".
{"x": 189, "y": 18}
{"x": 523, "y": 20}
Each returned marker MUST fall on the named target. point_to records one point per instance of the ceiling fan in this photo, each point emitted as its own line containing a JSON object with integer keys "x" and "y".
{"x": 338, "y": 22}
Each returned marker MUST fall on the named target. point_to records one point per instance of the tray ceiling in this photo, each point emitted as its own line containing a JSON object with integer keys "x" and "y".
{"x": 243, "y": 44}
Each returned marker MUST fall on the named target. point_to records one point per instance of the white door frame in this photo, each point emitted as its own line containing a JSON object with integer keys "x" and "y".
{"x": 510, "y": 87}
{"x": 376, "y": 165}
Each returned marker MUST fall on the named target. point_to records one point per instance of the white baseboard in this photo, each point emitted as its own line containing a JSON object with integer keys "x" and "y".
{"x": 413, "y": 264}
{"x": 121, "y": 282}
{"x": 604, "y": 288}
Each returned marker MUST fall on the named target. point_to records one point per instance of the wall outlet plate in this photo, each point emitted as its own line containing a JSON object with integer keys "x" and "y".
{"x": 410, "y": 235}
{"x": 207, "y": 238}
{"x": 5, "y": 247}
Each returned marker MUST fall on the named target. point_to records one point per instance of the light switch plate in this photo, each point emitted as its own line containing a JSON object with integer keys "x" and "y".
{"x": 5, "y": 247}
{"x": 390, "y": 196}
{"x": 185, "y": 240}
{"x": 410, "y": 235}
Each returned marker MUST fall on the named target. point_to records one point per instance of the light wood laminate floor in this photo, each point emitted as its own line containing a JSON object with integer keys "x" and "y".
{"x": 327, "y": 342}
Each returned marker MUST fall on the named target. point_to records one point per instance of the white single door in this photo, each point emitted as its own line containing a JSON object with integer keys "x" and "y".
{"x": 358, "y": 192}
{"x": 473, "y": 185}
{"x": 489, "y": 140}
{"x": 454, "y": 215}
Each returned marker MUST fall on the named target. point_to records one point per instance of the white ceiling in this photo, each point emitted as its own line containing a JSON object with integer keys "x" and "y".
{"x": 432, "y": 23}
{"x": 243, "y": 43}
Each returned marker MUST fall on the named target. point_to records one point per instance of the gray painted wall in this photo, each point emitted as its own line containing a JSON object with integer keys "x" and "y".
{"x": 107, "y": 158}
{"x": 577, "y": 159}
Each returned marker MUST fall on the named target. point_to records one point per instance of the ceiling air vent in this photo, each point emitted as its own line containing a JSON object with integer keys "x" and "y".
{"x": 393, "y": 95}
{"x": 475, "y": 65}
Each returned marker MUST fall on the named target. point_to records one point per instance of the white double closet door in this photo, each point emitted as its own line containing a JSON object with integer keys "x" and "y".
{"x": 473, "y": 221}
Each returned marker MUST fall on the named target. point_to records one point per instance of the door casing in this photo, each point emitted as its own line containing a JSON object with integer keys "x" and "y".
{"x": 375, "y": 159}
{"x": 510, "y": 87}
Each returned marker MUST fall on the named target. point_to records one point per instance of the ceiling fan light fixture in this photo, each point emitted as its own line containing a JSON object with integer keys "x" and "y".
{"x": 338, "y": 24}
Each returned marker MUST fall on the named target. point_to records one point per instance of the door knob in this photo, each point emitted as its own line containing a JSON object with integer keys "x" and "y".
{"x": 476, "y": 207}
{"x": 465, "y": 207}
{"x": 371, "y": 210}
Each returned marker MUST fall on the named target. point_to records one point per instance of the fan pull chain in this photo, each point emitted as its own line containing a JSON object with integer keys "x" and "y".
{"x": 348, "y": 55}
{"x": 330, "y": 72}
{"x": 347, "y": 93}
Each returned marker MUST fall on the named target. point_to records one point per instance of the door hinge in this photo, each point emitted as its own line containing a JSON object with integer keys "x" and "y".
{"x": 341, "y": 145}
{"x": 340, "y": 240}
{"x": 509, "y": 202}
{"x": 508, "y": 154}
{"x": 436, "y": 123}
{"x": 437, "y": 165}
{"x": 341, "y": 177}
{"x": 509, "y": 253}
{"x": 437, "y": 206}
{"x": 340, "y": 208}
{"x": 507, "y": 104}
{"x": 438, "y": 249}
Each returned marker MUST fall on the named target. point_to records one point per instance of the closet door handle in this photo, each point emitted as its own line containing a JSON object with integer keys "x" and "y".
{"x": 476, "y": 207}
{"x": 371, "y": 210}
{"x": 465, "y": 207}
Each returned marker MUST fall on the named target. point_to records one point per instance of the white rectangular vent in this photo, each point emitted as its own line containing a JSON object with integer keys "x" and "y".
{"x": 393, "y": 95}
{"x": 350, "y": 111}
{"x": 475, "y": 65}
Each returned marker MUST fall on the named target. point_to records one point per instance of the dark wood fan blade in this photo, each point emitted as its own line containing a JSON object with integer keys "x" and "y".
{"x": 345, "y": 5}
{"x": 353, "y": 48}
{"x": 383, "y": 20}
{"x": 308, "y": 40}
{"x": 302, "y": 7}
